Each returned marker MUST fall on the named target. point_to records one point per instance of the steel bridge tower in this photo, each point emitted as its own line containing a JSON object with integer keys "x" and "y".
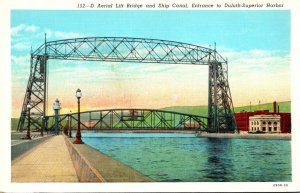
{"x": 35, "y": 94}
{"x": 220, "y": 107}
{"x": 121, "y": 49}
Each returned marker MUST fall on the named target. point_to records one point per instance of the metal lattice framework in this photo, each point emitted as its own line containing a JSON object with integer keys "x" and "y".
{"x": 131, "y": 119}
{"x": 122, "y": 49}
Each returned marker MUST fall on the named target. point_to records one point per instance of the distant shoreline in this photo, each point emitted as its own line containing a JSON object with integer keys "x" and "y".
{"x": 245, "y": 135}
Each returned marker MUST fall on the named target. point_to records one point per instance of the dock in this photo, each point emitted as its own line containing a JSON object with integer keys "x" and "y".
{"x": 57, "y": 159}
{"x": 49, "y": 161}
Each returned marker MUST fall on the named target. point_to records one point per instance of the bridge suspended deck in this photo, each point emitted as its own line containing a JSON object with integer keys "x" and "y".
{"x": 131, "y": 119}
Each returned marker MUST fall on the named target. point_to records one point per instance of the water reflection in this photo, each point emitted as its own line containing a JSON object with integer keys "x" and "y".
{"x": 219, "y": 164}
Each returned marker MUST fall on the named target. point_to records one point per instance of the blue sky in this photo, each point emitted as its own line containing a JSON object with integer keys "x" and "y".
{"x": 238, "y": 30}
{"x": 256, "y": 44}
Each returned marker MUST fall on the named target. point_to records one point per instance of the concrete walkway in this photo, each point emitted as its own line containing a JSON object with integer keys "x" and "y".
{"x": 48, "y": 162}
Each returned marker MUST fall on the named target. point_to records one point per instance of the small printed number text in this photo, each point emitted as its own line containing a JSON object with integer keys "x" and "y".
{"x": 280, "y": 185}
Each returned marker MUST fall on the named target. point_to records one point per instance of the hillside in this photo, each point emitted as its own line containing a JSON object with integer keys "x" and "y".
{"x": 202, "y": 110}
{"x": 283, "y": 107}
{"x": 194, "y": 110}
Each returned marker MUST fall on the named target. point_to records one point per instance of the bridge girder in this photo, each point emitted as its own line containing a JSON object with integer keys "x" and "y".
{"x": 122, "y": 49}
{"x": 130, "y": 119}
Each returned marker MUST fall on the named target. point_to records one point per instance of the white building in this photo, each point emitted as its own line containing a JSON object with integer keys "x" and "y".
{"x": 264, "y": 123}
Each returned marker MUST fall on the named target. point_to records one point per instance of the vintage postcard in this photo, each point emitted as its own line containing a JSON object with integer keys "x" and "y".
{"x": 125, "y": 96}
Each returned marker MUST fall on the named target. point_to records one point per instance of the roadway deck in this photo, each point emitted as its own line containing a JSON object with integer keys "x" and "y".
{"x": 47, "y": 162}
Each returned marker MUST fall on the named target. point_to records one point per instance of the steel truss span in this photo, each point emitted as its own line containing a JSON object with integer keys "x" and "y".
{"x": 130, "y": 119}
{"x": 123, "y": 49}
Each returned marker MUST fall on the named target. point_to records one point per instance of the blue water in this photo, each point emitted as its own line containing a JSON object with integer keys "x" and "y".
{"x": 184, "y": 157}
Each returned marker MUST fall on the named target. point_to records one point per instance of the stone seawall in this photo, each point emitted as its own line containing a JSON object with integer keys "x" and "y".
{"x": 94, "y": 166}
{"x": 85, "y": 171}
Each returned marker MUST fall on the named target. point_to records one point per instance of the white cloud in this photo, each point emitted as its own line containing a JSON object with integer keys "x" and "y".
{"x": 233, "y": 55}
{"x": 31, "y": 28}
{"x": 24, "y": 36}
{"x": 63, "y": 35}
{"x": 17, "y": 30}
{"x": 258, "y": 52}
{"x": 68, "y": 35}
{"x": 252, "y": 61}
{"x": 21, "y": 46}
{"x": 20, "y": 60}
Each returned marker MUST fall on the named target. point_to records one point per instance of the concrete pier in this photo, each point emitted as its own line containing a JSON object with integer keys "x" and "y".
{"x": 57, "y": 159}
{"x": 49, "y": 161}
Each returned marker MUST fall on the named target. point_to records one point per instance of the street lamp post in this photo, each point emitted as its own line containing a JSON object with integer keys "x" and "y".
{"x": 70, "y": 124}
{"x": 46, "y": 124}
{"x": 56, "y": 108}
{"x": 78, "y": 134}
{"x": 66, "y": 128}
{"x": 28, "y": 126}
{"x": 43, "y": 125}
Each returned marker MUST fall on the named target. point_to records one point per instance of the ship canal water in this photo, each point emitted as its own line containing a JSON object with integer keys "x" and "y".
{"x": 184, "y": 157}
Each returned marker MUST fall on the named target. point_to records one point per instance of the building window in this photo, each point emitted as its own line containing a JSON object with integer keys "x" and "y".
{"x": 269, "y": 122}
{"x": 270, "y": 129}
{"x": 275, "y": 128}
{"x": 264, "y": 122}
{"x": 275, "y": 123}
{"x": 264, "y": 128}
